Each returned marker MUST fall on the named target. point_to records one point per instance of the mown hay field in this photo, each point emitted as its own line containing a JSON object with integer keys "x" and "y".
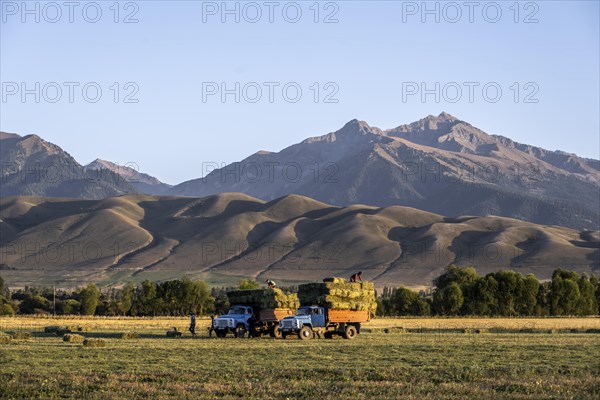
{"x": 374, "y": 366}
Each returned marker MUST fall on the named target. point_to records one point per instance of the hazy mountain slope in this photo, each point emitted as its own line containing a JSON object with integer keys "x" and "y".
{"x": 439, "y": 164}
{"x": 143, "y": 183}
{"x": 32, "y": 166}
{"x": 225, "y": 237}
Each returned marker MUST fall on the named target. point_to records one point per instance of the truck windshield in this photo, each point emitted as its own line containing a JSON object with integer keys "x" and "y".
{"x": 237, "y": 310}
{"x": 303, "y": 311}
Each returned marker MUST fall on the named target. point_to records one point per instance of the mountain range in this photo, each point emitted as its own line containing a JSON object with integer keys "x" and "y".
{"x": 439, "y": 164}
{"x": 226, "y": 237}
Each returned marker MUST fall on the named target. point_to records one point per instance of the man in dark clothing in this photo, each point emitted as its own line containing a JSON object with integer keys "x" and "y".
{"x": 252, "y": 327}
{"x": 356, "y": 277}
{"x": 193, "y": 323}
{"x": 211, "y": 328}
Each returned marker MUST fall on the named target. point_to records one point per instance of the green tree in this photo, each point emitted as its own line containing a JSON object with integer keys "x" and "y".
{"x": 403, "y": 301}
{"x": 587, "y": 304}
{"x": 126, "y": 299}
{"x": 528, "y": 299}
{"x": 70, "y": 307}
{"x": 35, "y": 304}
{"x": 462, "y": 276}
{"x": 89, "y": 298}
{"x": 248, "y": 284}
{"x": 448, "y": 300}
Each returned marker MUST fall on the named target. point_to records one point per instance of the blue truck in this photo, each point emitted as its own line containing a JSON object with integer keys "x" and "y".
{"x": 236, "y": 321}
{"x": 314, "y": 321}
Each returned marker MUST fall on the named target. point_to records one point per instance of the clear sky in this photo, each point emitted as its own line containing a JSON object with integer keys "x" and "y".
{"x": 374, "y": 58}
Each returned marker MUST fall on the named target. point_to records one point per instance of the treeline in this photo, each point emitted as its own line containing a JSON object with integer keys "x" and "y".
{"x": 173, "y": 298}
{"x": 461, "y": 291}
{"x": 458, "y": 291}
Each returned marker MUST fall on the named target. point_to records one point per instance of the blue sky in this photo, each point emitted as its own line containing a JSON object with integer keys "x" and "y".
{"x": 368, "y": 61}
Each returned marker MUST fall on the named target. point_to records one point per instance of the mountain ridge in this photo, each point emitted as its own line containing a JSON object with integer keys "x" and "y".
{"x": 292, "y": 239}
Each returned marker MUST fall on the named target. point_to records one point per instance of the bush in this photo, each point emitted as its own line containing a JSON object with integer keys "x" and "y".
{"x": 73, "y": 338}
{"x": 129, "y": 335}
{"x": 4, "y": 338}
{"x": 94, "y": 343}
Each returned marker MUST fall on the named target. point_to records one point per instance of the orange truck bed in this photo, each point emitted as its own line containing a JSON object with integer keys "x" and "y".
{"x": 274, "y": 315}
{"x": 337, "y": 316}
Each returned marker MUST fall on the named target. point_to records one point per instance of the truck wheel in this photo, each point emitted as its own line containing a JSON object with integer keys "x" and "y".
{"x": 305, "y": 333}
{"x": 221, "y": 334}
{"x": 240, "y": 331}
{"x": 275, "y": 332}
{"x": 350, "y": 332}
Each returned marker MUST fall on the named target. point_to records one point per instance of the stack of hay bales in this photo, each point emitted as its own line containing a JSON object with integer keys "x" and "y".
{"x": 338, "y": 294}
{"x": 264, "y": 298}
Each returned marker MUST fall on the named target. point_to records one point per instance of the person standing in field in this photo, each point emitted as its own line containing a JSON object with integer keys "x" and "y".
{"x": 193, "y": 323}
{"x": 356, "y": 277}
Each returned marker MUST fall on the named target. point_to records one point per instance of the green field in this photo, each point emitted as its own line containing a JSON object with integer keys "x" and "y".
{"x": 436, "y": 364}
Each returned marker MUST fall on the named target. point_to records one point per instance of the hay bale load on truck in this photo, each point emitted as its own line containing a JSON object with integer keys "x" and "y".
{"x": 333, "y": 307}
{"x": 267, "y": 306}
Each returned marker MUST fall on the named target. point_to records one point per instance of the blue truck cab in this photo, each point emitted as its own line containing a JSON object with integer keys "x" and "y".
{"x": 235, "y": 321}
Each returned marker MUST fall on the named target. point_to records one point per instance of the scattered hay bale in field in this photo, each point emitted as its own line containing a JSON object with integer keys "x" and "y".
{"x": 174, "y": 333}
{"x": 20, "y": 335}
{"x": 266, "y": 298}
{"x": 51, "y": 329}
{"x": 338, "y": 294}
{"x": 395, "y": 329}
{"x": 469, "y": 331}
{"x": 73, "y": 338}
{"x": 482, "y": 330}
{"x": 129, "y": 335}
{"x": 92, "y": 342}
{"x": 592, "y": 331}
{"x": 78, "y": 328}
{"x": 5, "y": 338}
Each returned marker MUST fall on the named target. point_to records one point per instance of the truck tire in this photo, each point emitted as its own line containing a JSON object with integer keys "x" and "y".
{"x": 220, "y": 333}
{"x": 275, "y": 332}
{"x": 305, "y": 333}
{"x": 240, "y": 331}
{"x": 351, "y": 332}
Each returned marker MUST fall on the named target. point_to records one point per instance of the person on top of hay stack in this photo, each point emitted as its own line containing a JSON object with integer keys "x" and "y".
{"x": 271, "y": 284}
{"x": 356, "y": 277}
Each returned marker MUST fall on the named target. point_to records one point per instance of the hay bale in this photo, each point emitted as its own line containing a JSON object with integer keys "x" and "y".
{"x": 266, "y": 298}
{"x": 20, "y": 335}
{"x": 482, "y": 330}
{"x": 129, "y": 335}
{"x": 5, "y": 338}
{"x": 51, "y": 329}
{"x": 337, "y": 294}
{"x": 93, "y": 342}
{"x": 73, "y": 338}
